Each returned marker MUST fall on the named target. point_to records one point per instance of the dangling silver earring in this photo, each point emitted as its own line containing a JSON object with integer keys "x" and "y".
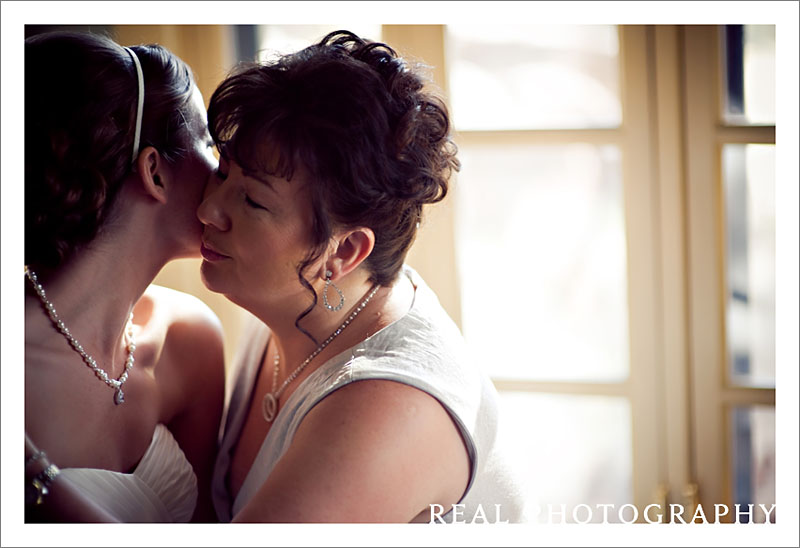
{"x": 329, "y": 283}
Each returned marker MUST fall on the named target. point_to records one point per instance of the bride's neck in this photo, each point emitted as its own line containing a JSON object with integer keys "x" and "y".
{"x": 95, "y": 290}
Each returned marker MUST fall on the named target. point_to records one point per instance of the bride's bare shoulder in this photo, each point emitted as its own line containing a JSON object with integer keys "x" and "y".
{"x": 189, "y": 333}
{"x": 182, "y": 321}
{"x": 176, "y": 305}
{"x": 190, "y": 350}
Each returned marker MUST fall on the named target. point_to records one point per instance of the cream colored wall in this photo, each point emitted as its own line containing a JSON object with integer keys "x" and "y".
{"x": 208, "y": 49}
{"x": 433, "y": 254}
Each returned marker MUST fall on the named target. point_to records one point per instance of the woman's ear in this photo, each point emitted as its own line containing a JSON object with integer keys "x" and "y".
{"x": 352, "y": 248}
{"x": 151, "y": 168}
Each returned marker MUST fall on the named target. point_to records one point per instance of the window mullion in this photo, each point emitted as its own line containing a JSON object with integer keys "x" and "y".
{"x": 673, "y": 263}
{"x": 706, "y": 291}
{"x": 641, "y": 215}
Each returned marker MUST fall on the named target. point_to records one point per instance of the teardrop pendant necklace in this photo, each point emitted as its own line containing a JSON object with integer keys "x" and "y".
{"x": 269, "y": 405}
{"x": 116, "y": 384}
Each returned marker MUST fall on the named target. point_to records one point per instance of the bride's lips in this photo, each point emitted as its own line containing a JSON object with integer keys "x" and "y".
{"x": 210, "y": 254}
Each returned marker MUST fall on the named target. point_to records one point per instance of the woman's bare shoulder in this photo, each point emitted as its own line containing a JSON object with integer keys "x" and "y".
{"x": 393, "y": 437}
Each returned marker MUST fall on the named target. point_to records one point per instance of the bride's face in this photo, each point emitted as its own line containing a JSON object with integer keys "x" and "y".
{"x": 193, "y": 171}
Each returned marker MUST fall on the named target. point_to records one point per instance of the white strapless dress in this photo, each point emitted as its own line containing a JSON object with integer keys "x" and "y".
{"x": 162, "y": 488}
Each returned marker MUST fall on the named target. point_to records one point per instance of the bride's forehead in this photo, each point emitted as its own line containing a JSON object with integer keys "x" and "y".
{"x": 195, "y": 114}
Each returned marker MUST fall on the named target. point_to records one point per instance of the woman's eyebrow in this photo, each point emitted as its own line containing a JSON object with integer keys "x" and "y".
{"x": 259, "y": 178}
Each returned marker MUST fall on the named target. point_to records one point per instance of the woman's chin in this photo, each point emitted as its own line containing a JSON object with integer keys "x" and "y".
{"x": 210, "y": 278}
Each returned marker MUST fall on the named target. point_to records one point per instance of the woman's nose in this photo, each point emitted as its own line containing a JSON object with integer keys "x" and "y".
{"x": 211, "y": 211}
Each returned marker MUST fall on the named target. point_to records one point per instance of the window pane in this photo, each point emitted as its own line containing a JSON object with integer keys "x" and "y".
{"x": 749, "y": 74}
{"x": 533, "y": 76}
{"x": 289, "y": 38}
{"x": 569, "y": 450}
{"x": 540, "y": 241}
{"x": 749, "y": 183}
{"x": 754, "y": 459}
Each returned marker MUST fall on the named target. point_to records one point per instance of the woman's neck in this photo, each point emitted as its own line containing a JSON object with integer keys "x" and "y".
{"x": 385, "y": 306}
{"x": 293, "y": 344}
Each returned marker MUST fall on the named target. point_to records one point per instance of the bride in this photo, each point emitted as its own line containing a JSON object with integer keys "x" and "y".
{"x": 124, "y": 381}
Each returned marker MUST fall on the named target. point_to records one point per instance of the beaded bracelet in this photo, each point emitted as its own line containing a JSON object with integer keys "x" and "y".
{"x": 33, "y": 458}
{"x": 40, "y": 485}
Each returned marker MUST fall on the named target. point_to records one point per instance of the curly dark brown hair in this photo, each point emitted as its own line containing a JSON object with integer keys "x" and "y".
{"x": 80, "y": 110}
{"x": 375, "y": 144}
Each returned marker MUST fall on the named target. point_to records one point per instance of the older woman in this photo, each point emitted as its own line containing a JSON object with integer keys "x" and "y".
{"x": 355, "y": 400}
{"x": 123, "y": 380}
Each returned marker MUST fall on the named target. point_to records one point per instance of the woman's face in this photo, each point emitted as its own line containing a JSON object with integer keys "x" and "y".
{"x": 256, "y": 233}
{"x": 191, "y": 174}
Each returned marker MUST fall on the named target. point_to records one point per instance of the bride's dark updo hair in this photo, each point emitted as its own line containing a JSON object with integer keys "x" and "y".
{"x": 81, "y": 94}
{"x": 374, "y": 144}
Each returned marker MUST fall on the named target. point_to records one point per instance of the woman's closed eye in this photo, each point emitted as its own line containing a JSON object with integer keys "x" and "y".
{"x": 255, "y": 205}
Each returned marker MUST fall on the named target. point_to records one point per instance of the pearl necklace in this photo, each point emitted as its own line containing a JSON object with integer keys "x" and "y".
{"x": 269, "y": 405}
{"x": 116, "y": 384}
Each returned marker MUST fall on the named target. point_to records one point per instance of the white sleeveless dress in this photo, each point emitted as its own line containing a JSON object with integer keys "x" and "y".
{"x": 423, "y": 349}
{"x": 162, "y": 488}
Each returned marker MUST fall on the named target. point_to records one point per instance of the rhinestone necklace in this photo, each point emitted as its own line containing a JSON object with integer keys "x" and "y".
{"x": 116, "y": 384}
{"x": 269, "y": 405}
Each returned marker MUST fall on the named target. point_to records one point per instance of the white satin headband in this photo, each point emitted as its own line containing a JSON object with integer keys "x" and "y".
{"x": 139, "y": 106}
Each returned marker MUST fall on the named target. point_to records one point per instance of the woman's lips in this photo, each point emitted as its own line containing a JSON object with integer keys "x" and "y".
{"x": 211, "y": 255}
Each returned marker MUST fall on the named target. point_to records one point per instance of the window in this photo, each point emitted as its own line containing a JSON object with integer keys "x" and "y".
{"x": 731, "y": 191}
{"x": 601, "y": 214}
{"x": 540, "y": 244}
{"x": 749, "y": 71}
{"x": 541, "y": 248}
{"x": 748, "y": 173}
{"x": 533, "y": 76}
